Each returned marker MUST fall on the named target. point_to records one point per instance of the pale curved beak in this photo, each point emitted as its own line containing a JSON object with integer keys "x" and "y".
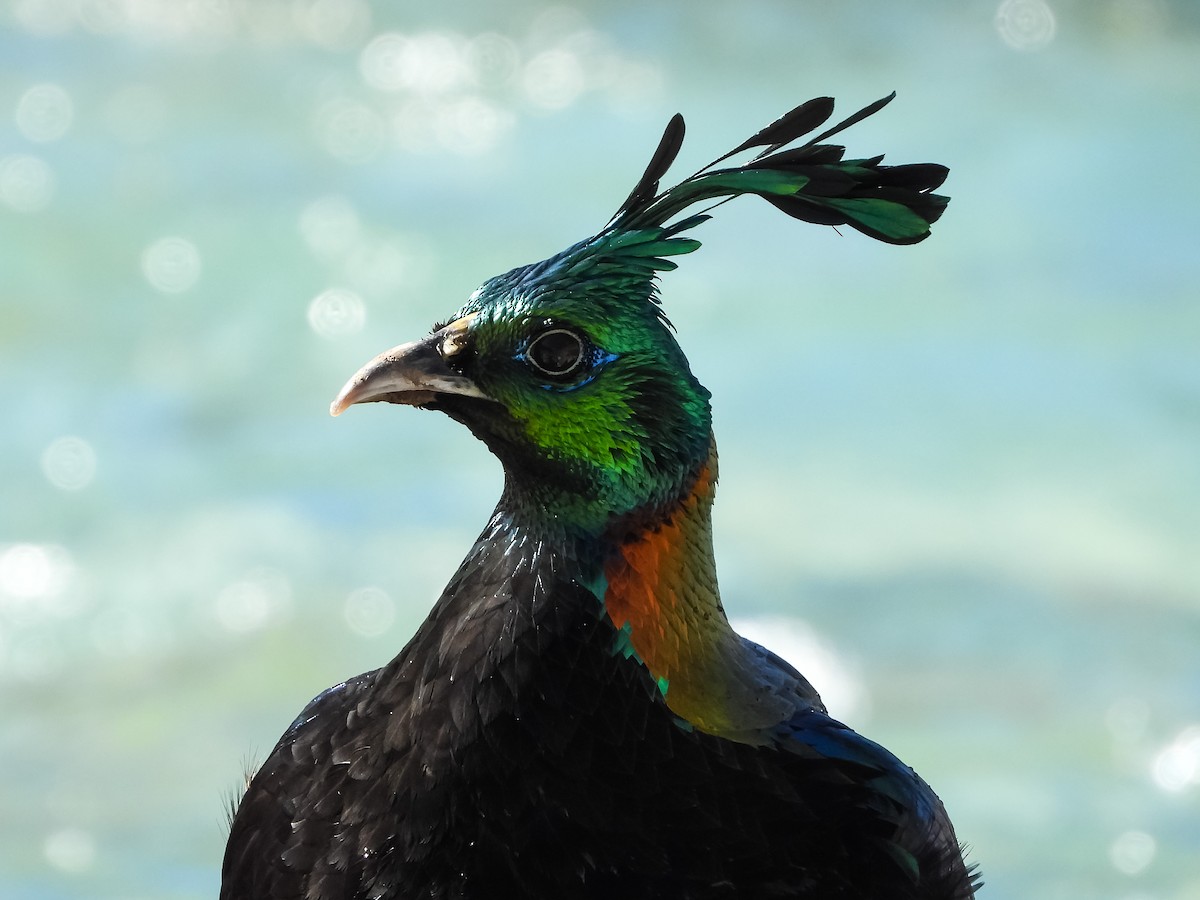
{"x": 414, "y": 373}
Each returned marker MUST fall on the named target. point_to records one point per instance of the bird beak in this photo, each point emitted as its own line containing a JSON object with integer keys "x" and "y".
{"x": 413, "y": 373}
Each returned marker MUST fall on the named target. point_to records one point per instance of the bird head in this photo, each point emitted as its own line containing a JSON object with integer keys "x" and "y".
{"x": 567, "y": 368}
{"x": 570, "y": 374}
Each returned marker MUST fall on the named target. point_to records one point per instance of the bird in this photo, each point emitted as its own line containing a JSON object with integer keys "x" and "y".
{"x": 576, "y": 717}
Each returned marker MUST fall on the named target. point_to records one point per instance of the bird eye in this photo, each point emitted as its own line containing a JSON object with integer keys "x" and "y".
{"x": 557, "y": 352}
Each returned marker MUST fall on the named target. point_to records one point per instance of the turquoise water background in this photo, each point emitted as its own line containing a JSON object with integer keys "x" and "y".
{"x": 960, "y": 481}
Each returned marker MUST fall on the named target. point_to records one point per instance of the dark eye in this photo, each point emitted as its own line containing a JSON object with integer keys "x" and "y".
{"x": 557, "y": 353}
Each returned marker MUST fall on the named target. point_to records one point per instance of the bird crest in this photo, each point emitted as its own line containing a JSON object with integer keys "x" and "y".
{"x": 810, "y": 181}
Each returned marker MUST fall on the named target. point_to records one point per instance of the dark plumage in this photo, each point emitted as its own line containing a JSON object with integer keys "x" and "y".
{"x": 575, "y": 718}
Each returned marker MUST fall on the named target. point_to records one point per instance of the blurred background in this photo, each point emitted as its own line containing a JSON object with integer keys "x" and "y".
{"x": 960, "y": 481}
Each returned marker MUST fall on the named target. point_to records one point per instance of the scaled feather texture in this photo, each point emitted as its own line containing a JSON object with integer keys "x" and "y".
{"x": 576, "y": 718}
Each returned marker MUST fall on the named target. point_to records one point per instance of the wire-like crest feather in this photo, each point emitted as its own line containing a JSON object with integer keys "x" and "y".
{"x": 811, "y": 182}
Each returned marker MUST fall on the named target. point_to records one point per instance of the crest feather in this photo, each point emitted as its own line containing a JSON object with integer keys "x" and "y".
{"x": 811, "y": 182}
